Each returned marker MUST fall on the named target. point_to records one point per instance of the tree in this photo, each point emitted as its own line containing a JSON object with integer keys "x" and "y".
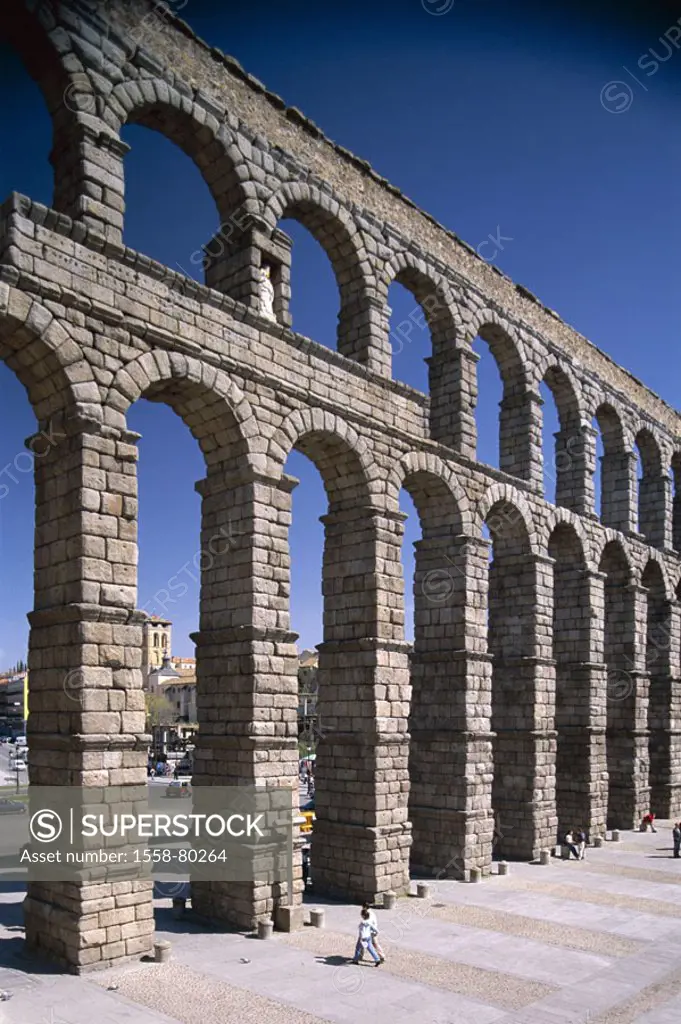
{"x": 159, "y": 710}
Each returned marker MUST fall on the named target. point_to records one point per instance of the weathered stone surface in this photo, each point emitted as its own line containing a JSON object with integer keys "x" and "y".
{"x": 542, "y": 690}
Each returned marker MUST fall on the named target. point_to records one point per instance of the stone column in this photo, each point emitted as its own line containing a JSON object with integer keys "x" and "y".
{"x": 453, "y": 390}
{"x": 246, "y": 670}
{"x": 575, "y": 463}
{"x": 449, "y": 725}
{"x": 364, "y": 333}
{"x": 662, "y": 661}
{"x": 523, "y": 709}
{"x": 86, "y": 705}
{"x": 520, "y": 438}
{"x": 655, "y": 510}
{"x": 627, "y": 715}
{"x": 362, "y": 836}
{"x": 673, "y": 805}
{"x": 581, "y": 770}
{"x": 89, "y": 180}
{"x": 618, "y": 491}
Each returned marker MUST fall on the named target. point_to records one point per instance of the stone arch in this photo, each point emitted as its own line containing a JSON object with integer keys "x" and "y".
{"x": 616, "y": 468}
{"x": 331, "y": 224}
{"x": 570, "y": 459}
{"x": 653, "y": 487}
{"x": 676, "y": 500}
{"x": 570, "y": 650}
{"x": 197, "y": 132}
{"x": 510, "y": 507}
{"x": 425, "y": 464}
{"x": 520, "y": 452}
{"x": 659, "y": 639}
{"x": 209, "y": 403}
{"x": 41, "y": 352}
{"x": 49, "y": 57}
{"x": 431, "y": 290}
{"x": 621, "y": 632}
{"x": 558, "y": 517}
{"x": 342, "y": 457}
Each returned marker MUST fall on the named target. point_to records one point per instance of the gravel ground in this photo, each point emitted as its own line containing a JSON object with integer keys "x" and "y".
{"x": 602, "y": 899}
{"x": 601, "y": 943}
{"x": 490, "y": 987}
{"x": 194, "y": 998}
{"x": 643, "y": 1002}
{"x": 643, "y": 874}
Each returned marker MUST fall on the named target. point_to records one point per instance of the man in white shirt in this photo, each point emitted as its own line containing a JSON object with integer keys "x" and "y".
{"x": 365, "y": 940}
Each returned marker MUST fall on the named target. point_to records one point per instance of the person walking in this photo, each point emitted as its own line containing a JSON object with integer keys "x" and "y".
{"x": 581, "y": 843}
{"x": 676, "y": 836}
{"x": 373, "y": 921}
{"x": 648, "y": 820}
{"x": 364, "y": 941}
{"x": 570, "y": 843}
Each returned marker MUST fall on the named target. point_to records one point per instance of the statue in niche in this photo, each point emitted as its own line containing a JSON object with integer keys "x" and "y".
{"x": 266, "y": 292}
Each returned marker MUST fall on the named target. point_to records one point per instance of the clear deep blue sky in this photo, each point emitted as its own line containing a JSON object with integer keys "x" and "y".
{"x": 489, "y": 116}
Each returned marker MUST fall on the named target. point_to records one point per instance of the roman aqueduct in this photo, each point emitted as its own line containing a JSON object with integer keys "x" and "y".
{"x": 543, "y": 684}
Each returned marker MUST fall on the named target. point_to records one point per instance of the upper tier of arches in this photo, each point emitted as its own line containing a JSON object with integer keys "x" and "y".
{"x": 93, "y": 92}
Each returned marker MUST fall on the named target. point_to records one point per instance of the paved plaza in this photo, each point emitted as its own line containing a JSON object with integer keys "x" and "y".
{"x": 597, "y": 942}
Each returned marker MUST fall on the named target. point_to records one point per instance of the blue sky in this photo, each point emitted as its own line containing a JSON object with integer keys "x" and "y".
{"x": 490, "y": 119}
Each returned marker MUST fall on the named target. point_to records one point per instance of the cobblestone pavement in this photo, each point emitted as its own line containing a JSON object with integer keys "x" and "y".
{"x": 597, "y": 942}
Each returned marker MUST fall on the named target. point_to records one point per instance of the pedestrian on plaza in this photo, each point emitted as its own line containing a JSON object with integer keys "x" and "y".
{"x": 648, "y": 820}
{"x": 676, "y": 836}
{"x": 581, "y": 843}
{"x": 373, "y": 921}
{"x": 310, "y": 784}
{"x": 364, "y": 941}
{"x": 306, "y": 865}
{"x": 569, "y": 841}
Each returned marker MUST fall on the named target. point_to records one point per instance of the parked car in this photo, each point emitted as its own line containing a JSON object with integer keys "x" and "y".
{"x": 19, "y": 765}
{"x": 179, "y": 788}
{"x": 12, "y": 807}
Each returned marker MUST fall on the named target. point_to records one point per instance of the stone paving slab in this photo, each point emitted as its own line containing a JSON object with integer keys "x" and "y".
{"x": 501, "y": 990}
{"x": 410, "y": 927}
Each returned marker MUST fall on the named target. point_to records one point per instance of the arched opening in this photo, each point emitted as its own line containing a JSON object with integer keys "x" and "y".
{"x": 563, "y": 442}
{"x": 505, "y": 439}
{"x": 204, "y": 534}
{"x": 510, "y": 641}
{"x": 26, "y": 127}
{"x": 658, "y": 669}
{"x": 571, "y": 632}
{"x": 360, "y": 603}
{"x": 340, "y": 242}
{"x": 410, "y": 339}
{"x": 676, "y": 501}
{"x": 615, "y": 482}
{"x": 437, "y": 754}
{"x": 621, "y": 681}
{"x": 170, "y": 213}
{"x": 314, "y": 305}
{"x": 651, "y": 489}
{"x": 17, "y": 504}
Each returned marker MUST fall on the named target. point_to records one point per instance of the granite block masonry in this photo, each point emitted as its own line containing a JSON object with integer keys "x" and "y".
{"x": 542, "y": 688}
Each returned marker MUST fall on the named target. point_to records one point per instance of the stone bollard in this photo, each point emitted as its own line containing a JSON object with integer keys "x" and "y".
{"x": 265, "y": 929}
{"x": 544, "y": 857}
{"x": 389, "y": 900}
{"x": 565, "y": 853}
{"x": 503, "y": 867}
{"x": 317, "y": 918}
{"x": 475, "y": 875}
{"x": 161, "y": 952}
{"x": 598, "y": 842}
{"x": 423, "y": 890}
{"x": 615, "y": 835}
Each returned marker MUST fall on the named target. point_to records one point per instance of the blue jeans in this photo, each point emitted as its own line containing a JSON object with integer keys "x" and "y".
{"x": 367, "y": 944}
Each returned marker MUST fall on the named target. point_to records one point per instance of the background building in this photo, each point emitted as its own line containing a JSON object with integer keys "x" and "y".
{"x": 156, "y": 643}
